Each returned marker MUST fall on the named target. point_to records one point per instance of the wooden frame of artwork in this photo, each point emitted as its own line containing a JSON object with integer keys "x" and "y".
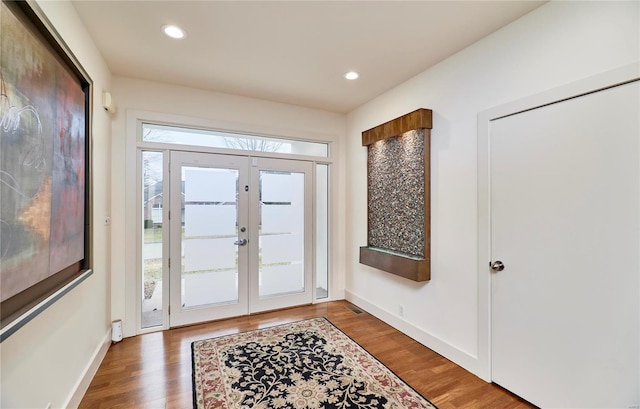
{"x": 45, "y": 162}
{"x": 398, "y": 196}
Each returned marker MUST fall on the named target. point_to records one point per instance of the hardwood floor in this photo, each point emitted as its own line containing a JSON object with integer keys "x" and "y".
{"x": 154, "y": 370}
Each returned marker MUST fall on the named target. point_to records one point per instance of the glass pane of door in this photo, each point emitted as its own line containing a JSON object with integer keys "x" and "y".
{"x": 282, "y": 233}
{"x": 209, "y": 231}
{"x": 152, "y": 239}
{"x": 322, "y": 231}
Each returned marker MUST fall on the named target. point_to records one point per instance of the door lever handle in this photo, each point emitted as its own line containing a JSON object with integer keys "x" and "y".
{"x": 241, "y": 242}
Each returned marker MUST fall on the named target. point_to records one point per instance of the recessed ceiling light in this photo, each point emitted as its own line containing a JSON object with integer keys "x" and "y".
{"x": 174, "y": 31}
{"x": 351, "y": 75}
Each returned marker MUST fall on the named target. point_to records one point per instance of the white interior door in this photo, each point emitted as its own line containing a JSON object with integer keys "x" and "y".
{"x": 241, "y": 236}
{"x": 565, "y": 224}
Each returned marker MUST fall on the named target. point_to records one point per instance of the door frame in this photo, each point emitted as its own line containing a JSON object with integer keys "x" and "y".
{"x": 127, "y": 283}
{"x": 615, "y": 77}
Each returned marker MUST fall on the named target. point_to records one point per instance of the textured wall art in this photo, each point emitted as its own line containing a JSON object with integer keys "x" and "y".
{"x": 398, "y": 196}
{"x": 43, "y": 153}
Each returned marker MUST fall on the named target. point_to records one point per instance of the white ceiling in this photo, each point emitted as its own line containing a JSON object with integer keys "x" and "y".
{"x": 291, "y": 52}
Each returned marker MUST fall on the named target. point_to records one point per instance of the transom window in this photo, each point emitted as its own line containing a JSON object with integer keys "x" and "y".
{"x": 230, "y": 140}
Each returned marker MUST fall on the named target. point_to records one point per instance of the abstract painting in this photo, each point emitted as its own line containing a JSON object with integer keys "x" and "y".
{"x": 43, "y": 156}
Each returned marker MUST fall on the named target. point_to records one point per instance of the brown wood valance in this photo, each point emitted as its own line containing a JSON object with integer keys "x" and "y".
{"x": 418, "y": 119}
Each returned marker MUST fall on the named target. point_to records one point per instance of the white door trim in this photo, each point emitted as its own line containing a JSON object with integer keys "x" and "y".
{"x": 595, "y": 83}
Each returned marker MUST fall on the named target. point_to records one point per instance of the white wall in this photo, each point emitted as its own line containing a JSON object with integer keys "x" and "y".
{"x": 46, "y": 360}
{"x": 187, "y": 106}
{"x": 555, "y": 44}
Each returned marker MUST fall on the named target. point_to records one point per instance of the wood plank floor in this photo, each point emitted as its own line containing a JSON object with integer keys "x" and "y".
{"x": 154, "y": 370}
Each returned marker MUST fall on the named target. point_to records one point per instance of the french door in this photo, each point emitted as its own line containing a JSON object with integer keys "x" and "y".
{"x": 240, "y": 236}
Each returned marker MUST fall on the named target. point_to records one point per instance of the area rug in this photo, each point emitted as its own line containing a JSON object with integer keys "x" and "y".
{"x": 307, "y": 364}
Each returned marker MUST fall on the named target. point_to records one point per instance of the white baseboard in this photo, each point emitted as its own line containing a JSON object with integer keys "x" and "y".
{"x": 458, "y": 356}
{"x": 83, "y": 383}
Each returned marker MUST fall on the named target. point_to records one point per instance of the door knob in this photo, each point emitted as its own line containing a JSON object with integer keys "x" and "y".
{"x": 241, "y": 242}
{"x": 497, "y": 266}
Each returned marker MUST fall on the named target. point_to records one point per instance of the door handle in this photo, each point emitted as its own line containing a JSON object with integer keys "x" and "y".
{"x": 497, "y": 266}
{"x": 241, "y": 242}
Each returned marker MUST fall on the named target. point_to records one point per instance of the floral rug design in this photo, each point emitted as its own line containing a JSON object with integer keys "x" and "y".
{"x": 304, "y": 365}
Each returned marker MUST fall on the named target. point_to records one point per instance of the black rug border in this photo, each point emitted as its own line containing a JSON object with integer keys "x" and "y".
{"x": 193, "y": 375}
{"x": 193, "y": 372}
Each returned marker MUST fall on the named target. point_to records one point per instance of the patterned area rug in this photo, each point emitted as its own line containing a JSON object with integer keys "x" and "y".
{"x": 308, "y": 364}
